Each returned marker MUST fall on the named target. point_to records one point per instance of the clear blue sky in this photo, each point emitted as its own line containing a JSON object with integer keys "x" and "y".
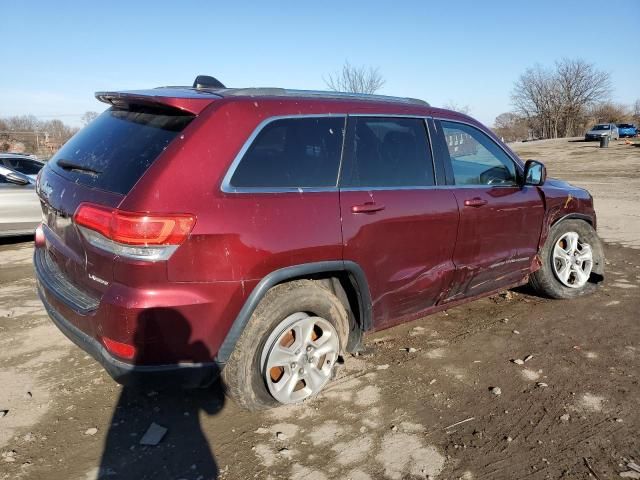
{"x": 56, "y": 54}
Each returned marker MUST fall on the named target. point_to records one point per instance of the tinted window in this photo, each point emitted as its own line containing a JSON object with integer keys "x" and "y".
{"x": 476, "y": 159}
{"x": 27, "y": 167}
{"x": 293, "y": 153}
{"x": 387, "y": 152}
{"x": 115, "y": 150}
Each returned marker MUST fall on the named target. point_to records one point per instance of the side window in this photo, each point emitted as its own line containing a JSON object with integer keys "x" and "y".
{"x": 387, "y": 152}
{"x": 27, "y": 167}
{"x": 293, "y": 153}
{"x": 475, "y": 158}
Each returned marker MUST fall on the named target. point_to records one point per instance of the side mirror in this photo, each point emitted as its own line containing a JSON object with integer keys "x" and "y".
{"x": 535, "y": 173}
{"x": 16, "y": 178}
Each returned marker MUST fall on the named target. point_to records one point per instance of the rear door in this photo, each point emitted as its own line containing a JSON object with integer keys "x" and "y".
{"x": 397, "y": 224}
{"x": 500, "y": 221}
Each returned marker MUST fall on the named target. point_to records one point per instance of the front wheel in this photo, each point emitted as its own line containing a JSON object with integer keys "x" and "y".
{"x": 572, "y": 261}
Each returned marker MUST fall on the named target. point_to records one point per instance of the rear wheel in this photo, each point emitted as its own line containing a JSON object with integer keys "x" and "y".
{"x": 571, "y": 257}
{"x": 288, "y": 350}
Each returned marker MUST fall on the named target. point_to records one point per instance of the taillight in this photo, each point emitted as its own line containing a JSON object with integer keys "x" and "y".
{"x": 142, "y": 236}
{"x": 122, "y": 350}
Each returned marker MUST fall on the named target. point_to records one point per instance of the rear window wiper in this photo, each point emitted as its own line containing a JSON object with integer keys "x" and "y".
{"x": 74, "y": 167}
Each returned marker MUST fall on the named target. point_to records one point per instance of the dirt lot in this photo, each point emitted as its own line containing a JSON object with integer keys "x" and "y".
{"x": 571, "y": 411}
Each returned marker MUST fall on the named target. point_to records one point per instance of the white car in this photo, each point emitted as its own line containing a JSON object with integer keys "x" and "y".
{"x": 20, "y": 211}
{"x": 603, "y": 130}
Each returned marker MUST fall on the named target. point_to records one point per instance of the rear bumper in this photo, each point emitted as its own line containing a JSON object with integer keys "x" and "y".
{"x": 175, "y": 328}
{"x": 184, "y": 375}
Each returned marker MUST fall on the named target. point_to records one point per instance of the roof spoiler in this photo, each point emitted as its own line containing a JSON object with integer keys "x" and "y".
{"x": 192, "y": 102}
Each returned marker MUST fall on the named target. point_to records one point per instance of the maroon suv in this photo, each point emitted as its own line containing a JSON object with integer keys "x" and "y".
{"x": 263, "y": 231}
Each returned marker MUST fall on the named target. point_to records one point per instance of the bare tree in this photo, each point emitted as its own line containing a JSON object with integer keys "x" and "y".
{"x": 636, "y": 112}
{"x": 555, "y": 101}
{"x": 88, "y": 117}
{"x": 451, "y": 105}
{"x": 609, "y": 112}
{"x": 31, "y": 133}
{"x": 354, "y": 79}
{"x": 535, "y": 96}
{"x": 22, "y": 123}
{"x": 511, "y": 127}
{"x": 581, "y": 85}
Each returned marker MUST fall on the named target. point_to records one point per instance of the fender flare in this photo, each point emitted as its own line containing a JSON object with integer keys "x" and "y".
{"x": 550, "y": 221}
{"x": 281, "y": 275}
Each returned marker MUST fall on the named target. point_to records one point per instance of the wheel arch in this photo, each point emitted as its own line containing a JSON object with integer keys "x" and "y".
{"x": 575, "y": 216}
{"x": 349, "y": 277}
{"x": 554, "y": 216}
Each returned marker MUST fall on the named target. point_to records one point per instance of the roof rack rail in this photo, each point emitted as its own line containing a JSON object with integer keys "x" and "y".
{"x": 286, "y": 92}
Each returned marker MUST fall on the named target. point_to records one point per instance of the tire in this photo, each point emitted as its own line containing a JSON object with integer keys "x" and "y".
{"x": 547, "y": 280}
{"x": 245, "y": 375}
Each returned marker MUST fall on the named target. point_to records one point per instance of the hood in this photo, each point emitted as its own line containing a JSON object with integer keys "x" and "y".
{"x": 598, "y": 132}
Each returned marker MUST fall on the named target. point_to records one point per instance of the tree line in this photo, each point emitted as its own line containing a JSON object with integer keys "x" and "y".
{"x": 28, "y": 134}
{"x": 561, "y": 101}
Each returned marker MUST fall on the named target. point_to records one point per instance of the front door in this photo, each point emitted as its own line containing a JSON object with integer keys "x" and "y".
{"x": 500, "y": 220}
{"x": 397, "y": 224}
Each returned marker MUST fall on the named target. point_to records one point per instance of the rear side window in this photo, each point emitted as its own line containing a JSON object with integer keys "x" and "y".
{"x": 387, "y": 152}
{"x": 293, "y": 153}
{"x": 115, "y": 150}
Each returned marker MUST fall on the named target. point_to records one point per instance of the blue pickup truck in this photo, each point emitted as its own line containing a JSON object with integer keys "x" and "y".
{"x": 627, "y": 130}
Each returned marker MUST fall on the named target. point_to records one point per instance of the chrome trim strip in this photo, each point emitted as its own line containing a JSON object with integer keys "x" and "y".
{"x": 390, "y": 115}
{"x": 226, "y": 186}
{"x": 152, "y": 253}
{"x": 372, "y": 189}
{"x": 433, "y": 187}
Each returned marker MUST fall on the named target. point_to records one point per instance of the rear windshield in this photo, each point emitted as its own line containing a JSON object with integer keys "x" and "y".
{"x": 115, "y": 150}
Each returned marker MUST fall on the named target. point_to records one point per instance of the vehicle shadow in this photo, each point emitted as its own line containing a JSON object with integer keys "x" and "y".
{"x": 184, "y": 450}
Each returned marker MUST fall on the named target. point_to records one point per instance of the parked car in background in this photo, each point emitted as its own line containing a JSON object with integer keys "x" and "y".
{"x": 603, "y": 130}
{"x": 20, "y": 211}
{"x": 22, "y": 163}
{"x": 627, "y": 130}
{"x": 306, "y": 220}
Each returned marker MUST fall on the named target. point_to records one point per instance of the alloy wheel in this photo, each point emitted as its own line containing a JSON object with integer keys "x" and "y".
{"x": 572, "y": 260}
{"x": 298, "y": 357}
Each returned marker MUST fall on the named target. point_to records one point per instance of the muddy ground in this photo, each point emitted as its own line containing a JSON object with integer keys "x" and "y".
{"x": 571, "y": 411}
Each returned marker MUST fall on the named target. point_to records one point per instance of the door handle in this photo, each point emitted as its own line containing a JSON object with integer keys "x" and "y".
{"x": 475, "y": 202}
{"x": 368, "y": 207}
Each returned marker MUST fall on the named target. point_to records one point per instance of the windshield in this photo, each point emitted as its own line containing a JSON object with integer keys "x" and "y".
{"x": 115, "y": 150}
{"x": 625, "y": 125}
{"x": 601, "y": 127}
